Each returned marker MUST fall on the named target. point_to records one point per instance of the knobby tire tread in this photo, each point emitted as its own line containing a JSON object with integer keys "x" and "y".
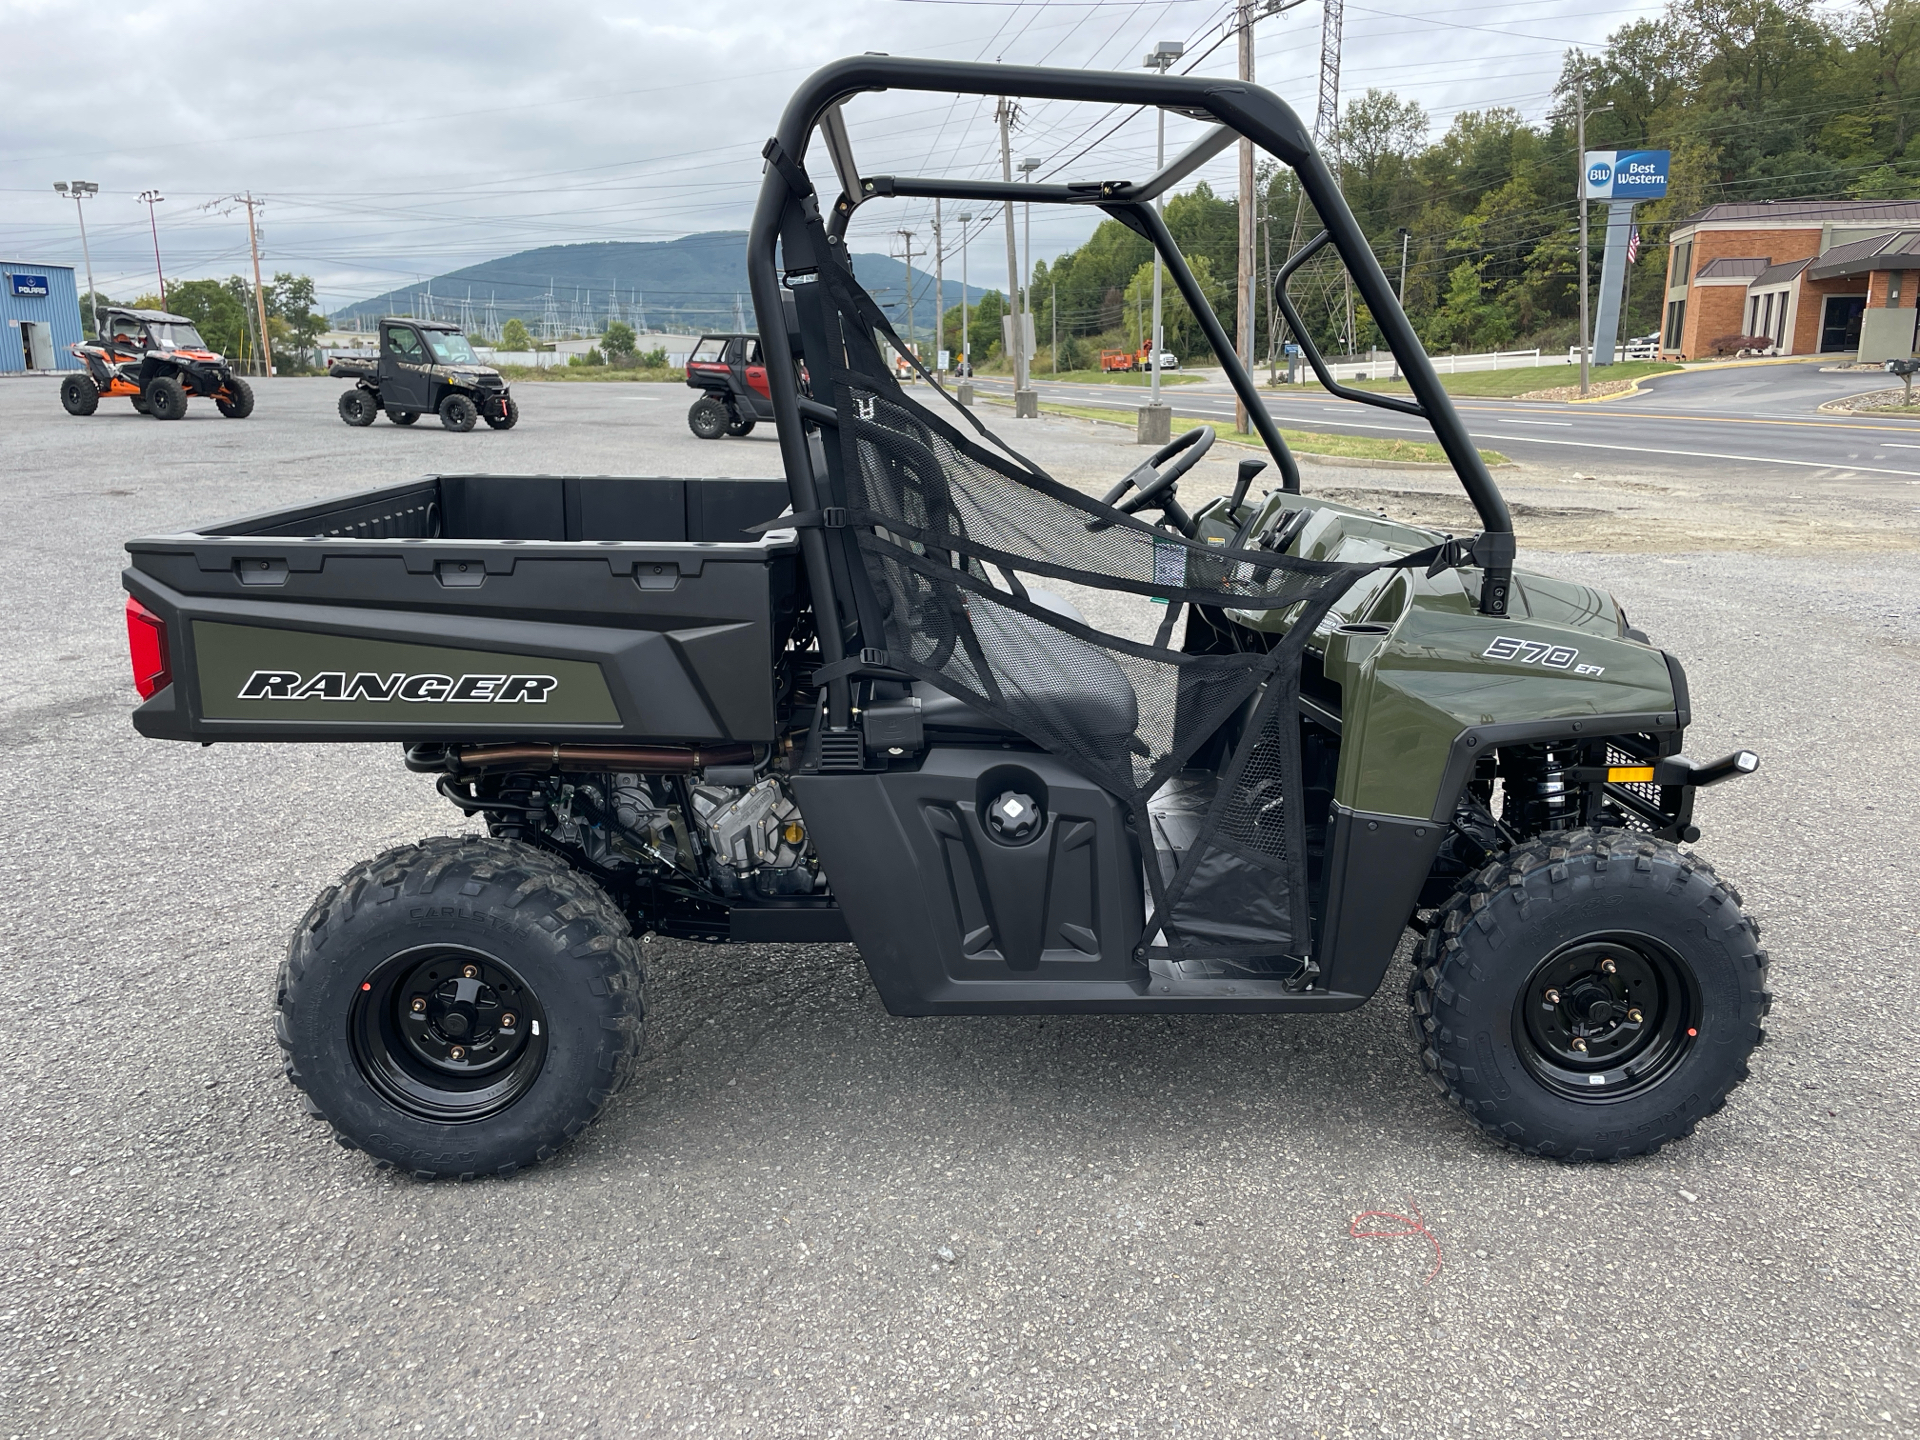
{"x": 1528, "y": 875}
{"x": 519, "y": 875}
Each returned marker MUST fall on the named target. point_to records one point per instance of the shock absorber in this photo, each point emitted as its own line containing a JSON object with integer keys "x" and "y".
{"x": 1540, "y": 795}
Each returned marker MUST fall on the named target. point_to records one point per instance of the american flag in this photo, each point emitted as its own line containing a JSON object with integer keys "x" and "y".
{"x": 1633, "y": 246}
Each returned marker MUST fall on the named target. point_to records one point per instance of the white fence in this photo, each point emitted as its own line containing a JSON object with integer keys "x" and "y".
{"x": 1378, "y": 365}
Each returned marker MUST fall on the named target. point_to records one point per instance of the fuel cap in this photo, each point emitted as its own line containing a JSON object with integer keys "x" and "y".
{"x": 1013, "y": 816}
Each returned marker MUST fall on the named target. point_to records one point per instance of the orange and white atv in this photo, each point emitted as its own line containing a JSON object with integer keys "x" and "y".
{"x": 157, "y": 360}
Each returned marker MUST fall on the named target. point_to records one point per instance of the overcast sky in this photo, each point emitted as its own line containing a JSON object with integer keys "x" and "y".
{"x": 391, "y": 143}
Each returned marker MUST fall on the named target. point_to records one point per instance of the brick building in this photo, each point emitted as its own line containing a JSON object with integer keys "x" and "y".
{"x": 1813, "y": 276}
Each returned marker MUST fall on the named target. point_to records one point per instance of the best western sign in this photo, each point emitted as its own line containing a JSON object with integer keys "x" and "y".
{"x": 1626, "y": 174}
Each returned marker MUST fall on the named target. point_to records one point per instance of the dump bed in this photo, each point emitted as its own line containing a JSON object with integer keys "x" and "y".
{"x": 478, "y": 607}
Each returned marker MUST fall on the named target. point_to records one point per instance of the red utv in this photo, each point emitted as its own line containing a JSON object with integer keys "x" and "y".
{"x": 732, "y": 377}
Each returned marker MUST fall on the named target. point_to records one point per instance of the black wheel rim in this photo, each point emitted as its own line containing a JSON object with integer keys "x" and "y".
{"x": 448, "y": 1033}
{"x": 1607, "y": 1017}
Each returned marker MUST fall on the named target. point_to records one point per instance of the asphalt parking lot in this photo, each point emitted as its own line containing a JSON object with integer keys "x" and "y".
{"x": 809, "y": 1219}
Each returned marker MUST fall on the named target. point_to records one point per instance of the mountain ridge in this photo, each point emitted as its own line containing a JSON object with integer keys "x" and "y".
{"x": 696, "y": 282}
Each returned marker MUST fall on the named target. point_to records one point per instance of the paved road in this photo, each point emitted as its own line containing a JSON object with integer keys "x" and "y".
{"x": 1760, "y": 417}
{"x": 809, "y": 1219}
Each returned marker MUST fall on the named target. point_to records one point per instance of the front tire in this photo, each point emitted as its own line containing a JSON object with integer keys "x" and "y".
{"x": 1590, "y": 995}
{"x": 166, "y": 398}
{"x": 742, "y": 426}
{"x": 708, "y": 418}
{"x": 358, "y": 407}
{"x": 235, "y": 399}
{"x": 458, "y": 414}
{"x": 79, "y": 395}
{"x": 460, "y": 1007}
{"x": 508, "y": 417}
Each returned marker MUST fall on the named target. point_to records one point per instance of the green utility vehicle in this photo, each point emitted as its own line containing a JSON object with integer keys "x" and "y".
{"x": 428, "y": 367}
{"x": 843, "y": 705}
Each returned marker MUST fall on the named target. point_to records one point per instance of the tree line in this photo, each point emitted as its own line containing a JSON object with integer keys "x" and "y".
{"x": 223, "y": 312}
{"x": 1757, "y": 100}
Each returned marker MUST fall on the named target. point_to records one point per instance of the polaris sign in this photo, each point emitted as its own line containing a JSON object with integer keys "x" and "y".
{"x": 28, "y": 284}
{"x": 1626, "y": 174}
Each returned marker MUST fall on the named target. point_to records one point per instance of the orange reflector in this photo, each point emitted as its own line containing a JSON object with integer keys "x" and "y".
{"x": 1628, "y": 774}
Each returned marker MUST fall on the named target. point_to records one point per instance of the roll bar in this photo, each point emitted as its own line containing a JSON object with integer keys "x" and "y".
{"x": 1239, "y": 110}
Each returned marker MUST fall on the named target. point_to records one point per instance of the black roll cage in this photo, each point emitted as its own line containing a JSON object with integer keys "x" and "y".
{"x": 1238, "y": 110}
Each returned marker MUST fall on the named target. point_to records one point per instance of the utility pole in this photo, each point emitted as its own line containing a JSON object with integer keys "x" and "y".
{"x": 939, "y": 293}
{"x": 907, "y": 236}
{"x": 84, "y": 190}
{"x": 259, "y": 295}
{"x": 1243, "y": 340}
{"x": 1156, "y": 420}
{"x": 1053, "y": 314}
{"x": 151, "y": 198}
{"x": 966, "y": 338}
{"x": 1580, "y": 189}
{"x": 1026, "y": 404}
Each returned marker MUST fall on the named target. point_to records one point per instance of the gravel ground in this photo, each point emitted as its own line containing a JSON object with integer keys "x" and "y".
{"x": 809, "y": 1219}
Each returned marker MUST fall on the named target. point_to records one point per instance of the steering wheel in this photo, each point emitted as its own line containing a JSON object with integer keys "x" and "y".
{"x": 1156, "y": 486}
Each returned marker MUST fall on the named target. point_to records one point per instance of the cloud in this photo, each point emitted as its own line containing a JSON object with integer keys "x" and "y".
{"x": 394, "y": 143}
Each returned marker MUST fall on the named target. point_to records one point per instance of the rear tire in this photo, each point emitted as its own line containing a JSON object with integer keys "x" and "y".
{"x": 708, "y": 418}
{"x": 403, "y": 417}
{"x": 140, "y": 404}
{"x": 509, "y": 415}
{"x": 740, "y": 427}
{"x": 458, "y": 414}
{"x": 237, "y": 401}
{"x": 476, "y": 933}
{"x": 358, "y": 407}
{"x": 1590, "y": 995}
{"x": 79, "y": 395}
{"x": 166, "y": 398}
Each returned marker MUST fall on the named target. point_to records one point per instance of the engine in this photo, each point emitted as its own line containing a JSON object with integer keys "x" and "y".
{"x": 732, "y": 840}
{"x": 755, "y": 839}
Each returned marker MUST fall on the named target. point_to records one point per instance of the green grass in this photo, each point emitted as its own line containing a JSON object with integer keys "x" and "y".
{"x": 1304, "y": 443}
{"x": 1520, "y": 382}
{"x": 528, "y": 374}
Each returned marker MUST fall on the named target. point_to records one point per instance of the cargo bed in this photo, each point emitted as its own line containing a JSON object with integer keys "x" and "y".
{"x": 478, "y": 608}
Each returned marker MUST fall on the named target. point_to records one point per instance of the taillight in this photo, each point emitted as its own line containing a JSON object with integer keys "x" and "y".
{"x": 147, "y": 639}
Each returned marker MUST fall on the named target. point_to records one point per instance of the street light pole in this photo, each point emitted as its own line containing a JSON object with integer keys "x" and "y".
{"x": 1406, "y": 235}
{"x": 151, "y": 198}
{"x": 1580, "y": 179}
{"x": 1156, "y": 420}
{"x": 1027, "y": 167}
{"x": 966, "y": 338}
{"x": 939, "y": 291}
{"x": 84, "y": 190}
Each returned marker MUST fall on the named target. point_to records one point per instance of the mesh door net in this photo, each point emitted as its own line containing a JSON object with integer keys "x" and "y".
{"x": 938, "y": 532}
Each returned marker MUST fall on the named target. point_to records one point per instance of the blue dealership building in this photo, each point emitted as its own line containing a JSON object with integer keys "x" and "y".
{"x": 40, "y": 306}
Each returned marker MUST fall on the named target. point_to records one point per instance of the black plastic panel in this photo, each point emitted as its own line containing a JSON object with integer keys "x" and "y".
{"x": 951, "y": 919}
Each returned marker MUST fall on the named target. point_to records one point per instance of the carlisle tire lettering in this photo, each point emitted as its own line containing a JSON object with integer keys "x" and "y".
{"x": 419, "y": 689}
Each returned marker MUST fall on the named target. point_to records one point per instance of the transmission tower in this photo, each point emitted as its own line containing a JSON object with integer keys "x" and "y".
{"x": 1326, "y": 138}
{"x": 1326, "y": 119}
{"x": 493, "y": 318}
{"x": 550, "y": 317}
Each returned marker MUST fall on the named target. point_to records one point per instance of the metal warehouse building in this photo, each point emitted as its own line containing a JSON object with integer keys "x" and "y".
{"x": 41, "y": 308}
